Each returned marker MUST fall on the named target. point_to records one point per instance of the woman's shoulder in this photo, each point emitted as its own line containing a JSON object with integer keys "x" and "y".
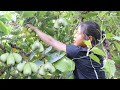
{"x": 72, "y": 51}
{"x": 71, "y": 46}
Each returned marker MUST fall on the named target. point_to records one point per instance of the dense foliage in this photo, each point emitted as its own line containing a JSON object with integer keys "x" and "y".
{"x": 23, "y": 55}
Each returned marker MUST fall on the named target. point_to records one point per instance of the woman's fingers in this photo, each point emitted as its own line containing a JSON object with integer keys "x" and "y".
{"x": 30, "y": 26}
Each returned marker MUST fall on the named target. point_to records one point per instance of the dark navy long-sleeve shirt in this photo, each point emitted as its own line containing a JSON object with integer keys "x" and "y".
{"x": 83, "y": 66}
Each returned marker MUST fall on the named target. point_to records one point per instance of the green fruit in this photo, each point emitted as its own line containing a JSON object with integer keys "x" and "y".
{"x": 27, "y": 69}
{"x": 39, "y": 76}
{"x": 52, "y": 69}
{"x": 17, "y": 57}
{"x": 10, "y": 59}
{"x": 49, "y": 67}
{"x": 47, "y": 76}
{"x": 62, "y": 21}
{"x": 39, "y": 24}
{"x": 56, "y": 24}
{"x": 41, "y": 70}
{"x": 34, "y": 67}
{"x": 3, "y": 57}
{"x": 35, "y": 45}
{"x": 20, "y": 66}
{"x": 41, "y": 48}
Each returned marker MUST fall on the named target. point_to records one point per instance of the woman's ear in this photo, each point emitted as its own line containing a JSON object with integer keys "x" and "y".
{"x": 90, "y": 38}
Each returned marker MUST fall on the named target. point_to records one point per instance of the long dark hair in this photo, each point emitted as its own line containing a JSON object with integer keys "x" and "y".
{"x": 90, "y": 28}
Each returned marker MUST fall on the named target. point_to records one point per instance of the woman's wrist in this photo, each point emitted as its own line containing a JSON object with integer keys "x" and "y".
{"x": 36, "y": 29}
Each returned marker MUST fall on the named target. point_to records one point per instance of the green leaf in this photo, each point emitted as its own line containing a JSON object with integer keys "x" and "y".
{"x": 32, "y": 55}
{"x": 41, "y": 49}
{"x": 69, "y": 75}
{"x": 28, "y": 13}
{"x": 48, "y": 49}
{"x": 65, "y": 65}
{"x": 98, "y": 51}
{"x": 50, "y": 31}
{"x": 41, "y": 14}
{"x": 102, "y": 13}
{"x": 116, "y": 38}
{"x": 117, "y": 45}
{"x": 7, "y": 75}
{"x": 19, "y": 12}
{"x": 88, "y": 43}
{"x": 3, "y": 28}
{"x": 109, "y": 68}
{"x": 109, "y": 35}
{"x": 8, "y": 16}
{"x": 55, "y": 57}
{"x": 3, "y": 19}
{"x": 90, "y": 14}
{"x": 95, "y": 58}
{"x": 39, "y": 63}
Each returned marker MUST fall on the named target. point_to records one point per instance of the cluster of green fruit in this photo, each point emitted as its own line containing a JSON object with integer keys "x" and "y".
{"x": 11, "y": 58}
{"x": 29, "y": 67}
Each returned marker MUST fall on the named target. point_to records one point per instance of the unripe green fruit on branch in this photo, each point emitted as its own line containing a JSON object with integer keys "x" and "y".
{"x": 20, "y": 66}
{"x": 10, "y": 60}
{"x": 42, "y": 70}
{"x": 37, "y": 45}
{"x": 56, "y": 24}
{"x": 34, "y": 67}
{"x": 17, "y": 57}
{"x": 49, "y": 67}
{"x": 3, "y": 57}
{"x": 41, "y": 48}
{"x": 60, "y": 21}
{"x": 27, "y": 69}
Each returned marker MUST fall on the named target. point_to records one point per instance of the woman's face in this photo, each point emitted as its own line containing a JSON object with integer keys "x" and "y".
{"x": 79, "y": 38}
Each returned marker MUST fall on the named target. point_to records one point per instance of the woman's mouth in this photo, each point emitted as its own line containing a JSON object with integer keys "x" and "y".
{"x": 73, "y": 41}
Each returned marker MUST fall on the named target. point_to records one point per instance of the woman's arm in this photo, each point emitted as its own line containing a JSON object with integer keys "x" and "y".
{"x": 48, "y": 39}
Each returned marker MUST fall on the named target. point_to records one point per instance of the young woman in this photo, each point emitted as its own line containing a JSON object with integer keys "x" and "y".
{"x": 85, "y": 68}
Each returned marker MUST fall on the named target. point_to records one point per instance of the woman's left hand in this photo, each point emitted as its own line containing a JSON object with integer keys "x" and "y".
{"x": 31, "y": 27}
